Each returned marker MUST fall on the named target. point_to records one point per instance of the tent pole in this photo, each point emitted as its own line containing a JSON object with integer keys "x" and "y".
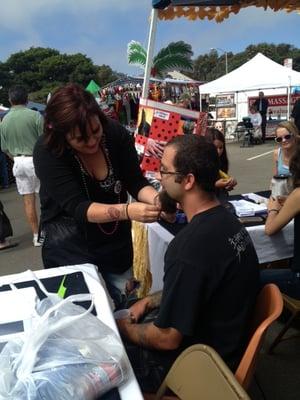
{"x": 150, "y": 51}
{"x": 289, "y": 100}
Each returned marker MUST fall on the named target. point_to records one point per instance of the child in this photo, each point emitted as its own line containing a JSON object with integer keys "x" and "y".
{"x": 225, "y": 183}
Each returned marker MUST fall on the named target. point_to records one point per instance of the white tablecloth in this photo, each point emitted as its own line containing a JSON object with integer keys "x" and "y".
{"x": 129, "y": 390}
{"x": 268, "y": 248}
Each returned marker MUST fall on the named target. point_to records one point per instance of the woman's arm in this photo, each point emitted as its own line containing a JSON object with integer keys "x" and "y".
{"x": 137, "y": 211}
{"x": 148, "y": 195}
{"x": 279, "y": 217}
{"x": 62, "y": 183}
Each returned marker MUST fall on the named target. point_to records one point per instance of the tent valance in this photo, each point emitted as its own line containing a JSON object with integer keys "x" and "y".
{"x": 217, "y": 10}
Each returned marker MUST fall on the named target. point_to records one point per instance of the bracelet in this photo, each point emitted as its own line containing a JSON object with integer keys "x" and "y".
{"x": 273, "y": 209}
{"x": 126, "y": 211}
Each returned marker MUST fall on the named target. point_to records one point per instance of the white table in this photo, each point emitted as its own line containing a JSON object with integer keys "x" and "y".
{"x": 130, "y": 389}
{"x": 268, "y": 248}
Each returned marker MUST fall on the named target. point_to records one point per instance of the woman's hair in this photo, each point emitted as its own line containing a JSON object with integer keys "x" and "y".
{"x": 289, "y": 126}
{"x": 295, "y": 163}
{"x": 214, "y": 134}
{"x": 70, "y": 106}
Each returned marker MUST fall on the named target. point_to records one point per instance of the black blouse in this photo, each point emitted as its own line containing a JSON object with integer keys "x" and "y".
{"x": 66, "y": 190}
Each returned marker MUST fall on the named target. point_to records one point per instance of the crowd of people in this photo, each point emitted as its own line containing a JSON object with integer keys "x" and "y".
{"x": 84, "y": 164}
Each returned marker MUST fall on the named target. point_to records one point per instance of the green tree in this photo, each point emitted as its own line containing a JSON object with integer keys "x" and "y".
{"x": 82, "y": 69}
{"x": 105, "y": 75}
{"x": 40, "y": 96}
{"x": 210, "y": 66}
{"x": 29, "y": 60}
{"x": 55, "y": 68}
{"x": 5, "y": 80}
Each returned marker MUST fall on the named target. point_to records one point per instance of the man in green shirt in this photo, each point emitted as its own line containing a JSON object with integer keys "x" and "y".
{"x": 19, "y": 131}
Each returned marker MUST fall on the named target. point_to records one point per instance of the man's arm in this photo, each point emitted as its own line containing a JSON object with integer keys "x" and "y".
{"x": 143, "y": 306}
{"x": 39, "y": 124}
{"x": 150, "y": 336}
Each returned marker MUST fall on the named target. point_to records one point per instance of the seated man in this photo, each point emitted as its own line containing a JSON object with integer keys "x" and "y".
{"x": 211, "y": 275}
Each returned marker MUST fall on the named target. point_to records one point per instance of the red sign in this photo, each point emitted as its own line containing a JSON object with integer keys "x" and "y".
{"x": 277, "y": 105}
{"x": 276, "y": 100}
{"x": 157, "y": 124}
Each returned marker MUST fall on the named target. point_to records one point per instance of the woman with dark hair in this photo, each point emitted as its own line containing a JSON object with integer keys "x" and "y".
{"x": 225, "y": 183}
{"x": 288, "y": 279}
{"x": 87, "y": 163}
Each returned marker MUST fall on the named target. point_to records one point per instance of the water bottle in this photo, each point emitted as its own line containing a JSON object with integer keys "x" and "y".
{"x": 77, "y": 381}
{"x": 280, "y": 185}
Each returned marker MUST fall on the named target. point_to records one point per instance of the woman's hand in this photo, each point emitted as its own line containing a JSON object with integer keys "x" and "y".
{"x": 143, "y": 212}
{"x": 221, "y": 183}
{"x": 154, "y": 148}
{"x": 231, "y": 183}
{"x": 274, "y": 204}
{"x": 227, "y": 184}
{"x": 281, "y": 200}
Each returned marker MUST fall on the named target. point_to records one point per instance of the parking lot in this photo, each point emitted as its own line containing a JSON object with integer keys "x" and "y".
{"x": 252, "y": 167}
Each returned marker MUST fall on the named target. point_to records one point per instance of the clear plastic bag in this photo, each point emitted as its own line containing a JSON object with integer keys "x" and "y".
{"x": 68, "y": 354}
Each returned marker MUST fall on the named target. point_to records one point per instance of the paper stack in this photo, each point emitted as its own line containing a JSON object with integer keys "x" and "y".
{"x": 256, "y": 198}
{"x": 244, "y": 208}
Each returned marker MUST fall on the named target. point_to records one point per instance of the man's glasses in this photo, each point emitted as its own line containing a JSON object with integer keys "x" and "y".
{"x": 279, "y": 139}
{"x": 162, "y": 172}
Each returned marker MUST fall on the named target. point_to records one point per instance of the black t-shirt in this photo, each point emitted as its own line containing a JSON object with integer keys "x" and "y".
{"x": 63, "y": 194}
{"x": 210, "y": 285}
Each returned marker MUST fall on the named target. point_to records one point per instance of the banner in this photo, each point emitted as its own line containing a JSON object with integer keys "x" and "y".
{"x": 157, "y": 124}
{"x": 277, "y": 105}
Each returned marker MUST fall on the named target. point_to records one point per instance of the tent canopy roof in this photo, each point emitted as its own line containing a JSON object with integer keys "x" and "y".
{"x": 258, "y": 73}
{"x": 216, "y": 9}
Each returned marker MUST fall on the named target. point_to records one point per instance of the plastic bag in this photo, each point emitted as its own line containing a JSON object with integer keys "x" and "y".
{"x": 68, "y": 354}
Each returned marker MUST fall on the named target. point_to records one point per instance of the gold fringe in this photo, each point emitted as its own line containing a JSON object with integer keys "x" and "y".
{"x": 141, "y": 258}
{"x": 220, "y": 13}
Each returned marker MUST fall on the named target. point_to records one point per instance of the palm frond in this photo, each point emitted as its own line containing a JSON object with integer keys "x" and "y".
{"x": 136, "y": 54}
{"x": 176, "y": 48}
{"x": 172, "y": 61}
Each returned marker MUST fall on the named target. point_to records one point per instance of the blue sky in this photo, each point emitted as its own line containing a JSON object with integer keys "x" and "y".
{"x": 101, "y": 29}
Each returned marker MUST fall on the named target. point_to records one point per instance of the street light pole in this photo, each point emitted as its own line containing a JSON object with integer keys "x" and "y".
{"x": 226, "y": 59}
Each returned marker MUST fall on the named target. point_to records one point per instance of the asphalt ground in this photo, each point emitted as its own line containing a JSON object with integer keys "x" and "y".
{"x": 252, "y": 167}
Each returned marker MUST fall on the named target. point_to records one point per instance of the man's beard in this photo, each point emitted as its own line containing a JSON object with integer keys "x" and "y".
{"x": 168, "y": 204}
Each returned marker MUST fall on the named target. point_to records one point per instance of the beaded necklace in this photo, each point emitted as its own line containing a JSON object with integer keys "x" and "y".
{"x": 106, "y": 184}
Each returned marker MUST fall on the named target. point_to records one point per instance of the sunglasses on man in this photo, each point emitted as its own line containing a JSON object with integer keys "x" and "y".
{"x": 279, "y": 139}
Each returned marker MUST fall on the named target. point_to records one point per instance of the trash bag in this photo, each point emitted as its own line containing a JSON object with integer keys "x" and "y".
{"x": 67, "y": 354}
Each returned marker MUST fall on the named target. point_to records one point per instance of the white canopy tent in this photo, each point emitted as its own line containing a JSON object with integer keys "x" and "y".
{"x": 259, "y": 73}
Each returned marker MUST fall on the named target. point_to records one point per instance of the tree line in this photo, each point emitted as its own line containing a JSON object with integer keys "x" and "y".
{"x": 42, "y": 70}
{"x": 211, "y": 66}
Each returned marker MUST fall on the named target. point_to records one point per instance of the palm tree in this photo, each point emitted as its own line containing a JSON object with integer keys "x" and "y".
{"x": 177, "y": 55}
